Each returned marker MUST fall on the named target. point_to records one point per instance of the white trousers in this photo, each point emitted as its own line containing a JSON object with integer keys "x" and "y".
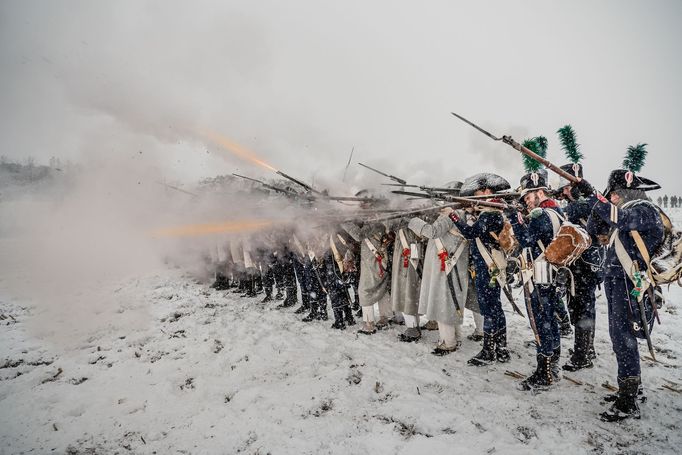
{"x": 411, "y": 321}
{"x": 385, "y": 310}
{"x": 450, "y": 334}
{"x": 478, "y": 323}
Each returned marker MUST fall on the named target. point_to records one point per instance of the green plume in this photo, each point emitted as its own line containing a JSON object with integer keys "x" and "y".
{"x": 634, "y": 158}
{"x": 538, "y": 145}
{"x": 569, "y": 144}
{"x": 542, "y": 145}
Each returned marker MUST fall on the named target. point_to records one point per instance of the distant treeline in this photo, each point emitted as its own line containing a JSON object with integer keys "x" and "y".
{"x": 28, "y": 172}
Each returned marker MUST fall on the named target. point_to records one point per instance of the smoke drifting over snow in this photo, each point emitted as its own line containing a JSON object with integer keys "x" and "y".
{"x": 126, "y": 88}
{"x": 60, "y": 244}
{"x": 109, "y": 220}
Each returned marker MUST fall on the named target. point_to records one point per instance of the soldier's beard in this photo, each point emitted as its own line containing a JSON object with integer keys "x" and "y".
{"x": 533, "y": 202}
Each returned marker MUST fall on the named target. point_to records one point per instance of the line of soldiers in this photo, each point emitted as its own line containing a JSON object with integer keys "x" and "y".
{"x": 675, "y": 201}
{"x": 435, "y": 267}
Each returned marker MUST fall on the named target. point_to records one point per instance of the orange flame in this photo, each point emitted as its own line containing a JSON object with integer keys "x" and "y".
{"x": 236, "y": 149}
{"x": 212, "y": 228}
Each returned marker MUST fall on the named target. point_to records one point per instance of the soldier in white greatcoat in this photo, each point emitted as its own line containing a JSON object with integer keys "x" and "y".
{"x": 406, "y": 273}
{"x": 446, "y": 269}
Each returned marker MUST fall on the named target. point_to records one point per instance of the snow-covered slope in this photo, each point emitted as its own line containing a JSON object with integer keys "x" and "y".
{"x": 170, "y": 366}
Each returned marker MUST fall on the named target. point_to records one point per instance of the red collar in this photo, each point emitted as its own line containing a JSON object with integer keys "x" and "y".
{"x": 549, "y": 204}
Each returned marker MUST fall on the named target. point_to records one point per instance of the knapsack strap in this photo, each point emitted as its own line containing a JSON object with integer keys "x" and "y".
{"x": 641, "y": 246}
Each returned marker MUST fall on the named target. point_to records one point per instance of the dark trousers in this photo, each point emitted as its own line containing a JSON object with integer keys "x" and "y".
{"x": 544, "y": 301}
{"x": 560, "y": 310}
{"x": 581, "y": 306}
{"x": 489, "y": 302}
{"x": 268, "y": 279}
{"x": 623, "y": 341}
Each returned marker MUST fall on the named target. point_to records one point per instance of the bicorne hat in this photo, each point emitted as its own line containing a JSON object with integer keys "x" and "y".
{"x": 483, "y": 181}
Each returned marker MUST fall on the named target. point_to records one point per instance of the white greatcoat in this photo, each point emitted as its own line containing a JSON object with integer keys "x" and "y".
{"x": 435, "y": 298}
{"x": 373, "y": 286}
{"x": 405, "y": 281}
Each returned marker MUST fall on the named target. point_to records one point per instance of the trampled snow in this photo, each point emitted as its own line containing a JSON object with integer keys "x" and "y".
{"x": 169, "y": 365}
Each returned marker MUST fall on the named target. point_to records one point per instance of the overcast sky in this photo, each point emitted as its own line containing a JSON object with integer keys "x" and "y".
{"x": 303, "y": 82}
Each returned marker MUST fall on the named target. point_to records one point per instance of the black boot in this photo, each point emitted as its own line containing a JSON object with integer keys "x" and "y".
{"x": 580, "y": 359}
{"x": 565, "y": 327}
{"x": 252, "y": 292}
{"x": 410, "y": 335}
{"x": 554, "y": 364}
{"x": 610, "y": 398}
{"x": 314, "y": 313}
{"x": 250, "y": 288}
{"x": 279, "y": 295}
{"x": 591, "y": 353}
{"x": 221, "y": 282}
{"x": 356, "y": 301}
{"x": 487, "y": 354}
{"x": 348, "y": 312}
{"x": 267, "y": 298}
{"x": 542, "y": 378}
{"x": 501, "y": 350}
{"x": 339, "y": 323}
{"x": 322, "y": 311}
{"x": 305, "y": 303}
{"x": 442, "y": 349}
{"x": 290, "y": 300}
{"x": 625, "y": 406}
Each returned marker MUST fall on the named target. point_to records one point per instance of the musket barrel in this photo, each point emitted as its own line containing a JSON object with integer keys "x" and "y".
{"x": 290, "y": 178}
{"x": 353, "y": 199}
{"x": 475, "y": 202}
{"x": 298, "y": 182}
{"x": 274, "y": 188}
{"x": 392, "y": 177}
{"x": 509, "y": 141}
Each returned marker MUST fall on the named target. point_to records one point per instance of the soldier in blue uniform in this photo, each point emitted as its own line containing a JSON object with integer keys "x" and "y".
{"x": 628, "y": 211}
{"x": 338, "y": 274}
{"x": 291, "y": 269}
{"x": 338, "y": 285}
{"x": 314, "y": 271}
{"x": 268, "y": 263}
{"x": 534, "y": 233}
{"x": 586, "y": 272}
{"x": 483, "y": 234}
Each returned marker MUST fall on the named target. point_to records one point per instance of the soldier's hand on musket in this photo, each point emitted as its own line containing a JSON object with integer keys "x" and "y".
{"x": 512, "y": 209}
{"x": 582, "y": 188}
{"x": 446, "y": 210}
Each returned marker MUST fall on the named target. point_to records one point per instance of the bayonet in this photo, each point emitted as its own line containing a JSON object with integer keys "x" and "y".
{"x": 511, "y": 142}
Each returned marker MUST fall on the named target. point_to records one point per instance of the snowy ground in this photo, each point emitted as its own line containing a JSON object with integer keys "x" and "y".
{"x": 170, "y": 366}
